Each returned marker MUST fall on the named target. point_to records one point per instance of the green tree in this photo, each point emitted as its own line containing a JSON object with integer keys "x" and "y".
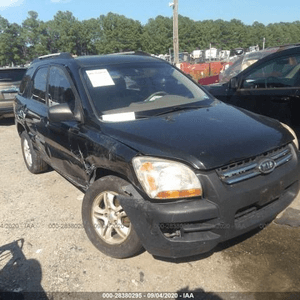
{"x": 294, "y": 30}
{"x": 233, "y": 34}
{"x": 275, "y": 35}
{"x": 89, "y": 36}
{"x": 63, "y": 32}
{"x": 157, "y": 37}
{"x": 118, "y": 33}
{"x": 11, "y": 43}
{"x": 32, "y": 36}
{"x": 186, "y": 34}
{"x": 257, "y": 32}
{"x": 208, "y": 32}
{"x": 4, "y": 38}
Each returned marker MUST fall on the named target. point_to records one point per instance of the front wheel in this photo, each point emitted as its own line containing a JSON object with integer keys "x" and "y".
{"x": 105, "y": 222}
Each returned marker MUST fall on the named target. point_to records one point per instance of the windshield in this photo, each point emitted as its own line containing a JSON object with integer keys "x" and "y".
{"x": 131, "y": 88}
{"x": 240, "y": 63}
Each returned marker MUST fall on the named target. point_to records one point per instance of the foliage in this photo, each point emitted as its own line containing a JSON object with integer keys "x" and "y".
{"x": 157, "y": 35}
{"x": 116, "y": 33}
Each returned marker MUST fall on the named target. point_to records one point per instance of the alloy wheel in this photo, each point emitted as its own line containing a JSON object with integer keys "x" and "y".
{"x": 109, "y": 219}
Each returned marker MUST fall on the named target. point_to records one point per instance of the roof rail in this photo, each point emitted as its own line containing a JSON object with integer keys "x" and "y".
{"x": 53, "y": 55}
{"x": 285, "y": 46}
{"x": 131, "y": 53}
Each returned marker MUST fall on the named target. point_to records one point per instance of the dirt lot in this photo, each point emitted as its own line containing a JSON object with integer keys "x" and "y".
{"x": 43, "y": 246}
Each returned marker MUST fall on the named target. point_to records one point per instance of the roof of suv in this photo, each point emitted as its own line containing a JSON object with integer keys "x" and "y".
{"x": 92, "y": 60}
{"x": 86, "y": 61}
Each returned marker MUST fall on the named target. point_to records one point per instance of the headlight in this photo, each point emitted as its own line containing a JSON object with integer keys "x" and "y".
{"x": 164, "y": 179}
{"x": 293, "y": 133}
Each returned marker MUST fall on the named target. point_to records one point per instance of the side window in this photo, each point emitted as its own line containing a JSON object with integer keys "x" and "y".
{"x": 279, "y": 73}
{"x": 60, "y": 89}
{"x": 39, "y": 85}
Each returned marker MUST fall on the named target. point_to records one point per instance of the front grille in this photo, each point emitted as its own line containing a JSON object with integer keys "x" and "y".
{"x": 249, "y": 168}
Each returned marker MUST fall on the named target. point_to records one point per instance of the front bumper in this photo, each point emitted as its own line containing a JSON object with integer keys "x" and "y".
{"x": 190, "y": 227}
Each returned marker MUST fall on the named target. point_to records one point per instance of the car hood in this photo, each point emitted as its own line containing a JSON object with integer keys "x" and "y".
{"x": 205, "y": 138}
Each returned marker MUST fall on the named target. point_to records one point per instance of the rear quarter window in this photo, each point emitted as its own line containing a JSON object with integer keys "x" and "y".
{"x": 25, "y": 85}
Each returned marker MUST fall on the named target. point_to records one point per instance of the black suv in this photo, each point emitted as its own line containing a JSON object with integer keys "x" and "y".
{"x": 266, "y": 82}
{"x": 164, "y": 165}
{"x": 10, "y": 79}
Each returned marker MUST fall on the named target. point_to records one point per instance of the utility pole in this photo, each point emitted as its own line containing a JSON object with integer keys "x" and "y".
{"x": 175, "y": 32}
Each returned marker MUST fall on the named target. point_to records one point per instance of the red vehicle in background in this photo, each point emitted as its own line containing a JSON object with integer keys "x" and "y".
{"x": 209, "y": 80}
{"x": 204, "y": 73}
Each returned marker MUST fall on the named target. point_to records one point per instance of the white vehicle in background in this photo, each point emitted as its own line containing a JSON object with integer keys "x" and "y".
{"x": 211, "y": 54}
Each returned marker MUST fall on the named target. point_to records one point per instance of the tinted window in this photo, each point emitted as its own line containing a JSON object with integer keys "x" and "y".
{"x": 60, "y": 90}
{"x": 278, "y": 73}
{"x": 39, "y": 85}
{"x": 26, "y": 83}
{"x": 12, "y": 75}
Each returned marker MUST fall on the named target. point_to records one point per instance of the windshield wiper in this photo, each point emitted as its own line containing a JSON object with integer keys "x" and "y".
{"x": 168, "y": 110}
{"x": 179, "y": 108}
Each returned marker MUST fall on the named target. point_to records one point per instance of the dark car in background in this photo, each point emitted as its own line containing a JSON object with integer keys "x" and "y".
{"x": 10, "y": 79}
{"x": 270, "y": 85}
{"x": 163, "y": 164}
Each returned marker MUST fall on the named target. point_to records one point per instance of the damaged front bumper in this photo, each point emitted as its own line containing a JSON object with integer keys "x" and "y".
{"x": 169, "y": 230}
{"x": 190, "y": 227}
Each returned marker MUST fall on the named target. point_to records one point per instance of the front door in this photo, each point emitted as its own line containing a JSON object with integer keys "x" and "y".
{"x": 64, "y": 141}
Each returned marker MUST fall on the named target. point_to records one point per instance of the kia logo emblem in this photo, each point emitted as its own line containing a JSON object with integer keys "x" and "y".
{"x": 267, "y": 166}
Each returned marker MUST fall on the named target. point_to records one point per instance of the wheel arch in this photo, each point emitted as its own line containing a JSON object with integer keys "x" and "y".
{"x": 99, "y": 173}
{"x": 20, "y": 128}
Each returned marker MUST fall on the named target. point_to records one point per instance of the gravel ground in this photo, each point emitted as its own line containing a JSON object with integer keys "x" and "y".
{"x": 43, "y": 247}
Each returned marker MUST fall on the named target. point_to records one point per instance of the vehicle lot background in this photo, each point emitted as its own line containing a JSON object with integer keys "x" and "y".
{"x": 43, "y": 213}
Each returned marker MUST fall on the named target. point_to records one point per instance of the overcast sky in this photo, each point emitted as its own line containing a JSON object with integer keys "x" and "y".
{"x": 248, "y": 11}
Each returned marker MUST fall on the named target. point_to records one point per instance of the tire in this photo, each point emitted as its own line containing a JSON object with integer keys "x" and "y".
{"x": 105, "y": 222}
{"x": 32, "y": 159}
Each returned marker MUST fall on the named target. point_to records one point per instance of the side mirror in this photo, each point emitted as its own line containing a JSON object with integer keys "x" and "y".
{"x": 234, "y": 84}
{"x": 60, "y": 112}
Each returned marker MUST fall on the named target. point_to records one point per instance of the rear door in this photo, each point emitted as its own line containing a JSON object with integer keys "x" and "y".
{"x": 34, "y": 109}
